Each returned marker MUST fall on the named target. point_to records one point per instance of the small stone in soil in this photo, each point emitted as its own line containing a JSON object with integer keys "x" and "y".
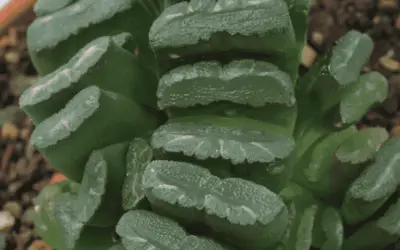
{"x": 308, "y": 57}
{"x": 9, "y": 131}
{"x": 27, "y": 217}
{"x": 14, "y": 208}
{"x": 390, "y": 63}
{"x": 7, "y": 221}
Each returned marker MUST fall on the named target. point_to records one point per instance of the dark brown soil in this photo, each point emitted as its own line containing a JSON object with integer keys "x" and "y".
{"x": 23, "y": 172}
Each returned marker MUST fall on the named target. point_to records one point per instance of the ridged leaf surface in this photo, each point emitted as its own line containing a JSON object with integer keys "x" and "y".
{"x": 143, "y": 230}
{"x": 139, "y": 156}
{"x": 370, "y": 89}
{"x": 250, "y": 82}
{"x": 251, "y": 213}
{"x": 375, "y": 185}
{"x": 203, "y": 141}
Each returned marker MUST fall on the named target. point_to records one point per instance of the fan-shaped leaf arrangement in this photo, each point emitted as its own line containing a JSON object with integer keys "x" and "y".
{"x": 184, "y": 125}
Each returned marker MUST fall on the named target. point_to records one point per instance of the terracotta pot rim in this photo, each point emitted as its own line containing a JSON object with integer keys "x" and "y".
{"x": 12, "y": 10}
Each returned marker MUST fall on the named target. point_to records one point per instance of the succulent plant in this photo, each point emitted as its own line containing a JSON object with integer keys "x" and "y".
{"x": 185, "y": 125}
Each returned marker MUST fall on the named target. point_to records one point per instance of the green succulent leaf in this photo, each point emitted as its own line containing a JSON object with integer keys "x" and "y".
{"x": 158, "y": 6}
{"x": 82, "y": 21}
{"x": 334, "y": 75}
{"x": 96, "y": 202}
{"x": 298, "y": 10}
{"x": 203, "y": 27}
{"x": 377, "y": 234}
{"x": 375, "y": 185}
{"x": 117, "y": 247}
{"x": 95, "y": 238}
{"x": 306, "y": 220}
{"x": 140, "y": 229}
{"x": 76, "y": 235}
{"x": 251, "y": 214}
{"x": 317, "y": 166}
{"x": 189, "y": 24}
{"x": 46, "y": 225}
{"x": 46, "y": 7}
{"x": 92, "y": 119}
{"x": 55, "y": 213}
{"x": 273, "y": 176}
{"x": 91, "y": 66}
{"x": 139, "y": 156}
{"x": 302, "y": 210}
{"x": 370, "y": 89}
{"x": 197, "y": 137}
{"x": 248, "y": 82}
{"x": 248, "y": 156}
{"x": 361, "y": 146}
{"x": 126, "y": 41}
{"x": 274, "y": 114}
{"x": 65, "y": 214}
{"x": 332, "y": 226}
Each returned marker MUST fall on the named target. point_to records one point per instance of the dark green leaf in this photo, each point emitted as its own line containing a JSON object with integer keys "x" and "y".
{"x": 117, "y": 247}
{"x": 46, "y": 225}
{"x": 370, "y": 89}
{"x": 234, "y": 139}
{"x": 46, "y": 7}
{"x": 206, "y": 27}
{"x": 332, "y": 226}
{"x": 273, "y": 176}
{"x": 331, "y": 78}
{"x": 143, "y": 230}
{"x": 97, "y": 203}
{"x": 315, "y": 168}
{"x": 126, "y": 41}
{"x": 377, "y": 234}
{"x": 275, "y": 114}
{"x": 298, "y": 10}
{"x": 302, "y": 211}
{"x": 91, "y": 66}
{"x": 51, "y": 46}
{"x": 78, "y": 236}
{"x": 93, "y": 187}
{"x": 249, "y": 213}
{"x": 362, "y": 146}
{"x": 139, "y": 156}
{"x": 92, "y": 119}
{"x": 66, "y": 216}
{"x": 299, "y": 14}
{"x": 375, "y": 185}
{"x": 249, "y": 82}
{"x": 187, "y": 24}
{"x": 95, "y": 238}
{"x": 158, "y": 6}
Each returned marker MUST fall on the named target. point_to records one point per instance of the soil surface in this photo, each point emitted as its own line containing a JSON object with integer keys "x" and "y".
{"x": 23, "y": 172}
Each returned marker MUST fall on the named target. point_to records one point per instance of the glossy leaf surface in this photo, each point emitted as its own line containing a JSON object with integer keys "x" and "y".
{"x": 205, "y": 141}
{"x": 140, "y": 229}
{"x": 370, "y": 89}
{"x": 248, "y": 82}
{"x": 252, "y": 213}
{"x": 139, "y": 156}
{"x": 84, "y": 20}
{"x": 375, "y": 185}
{"x": 91, "y": 115}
